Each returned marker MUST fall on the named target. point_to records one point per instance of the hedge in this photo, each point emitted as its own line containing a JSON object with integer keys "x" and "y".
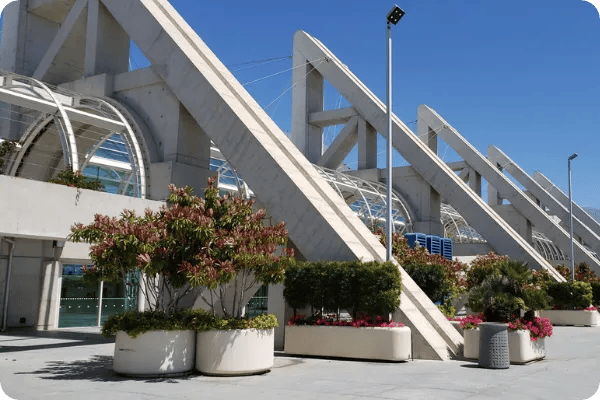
{"x": 432, "y": 279}
{"x": 571, "y": 295}
{"x": 372, "y": 288}
{"x": 595, "y": 293}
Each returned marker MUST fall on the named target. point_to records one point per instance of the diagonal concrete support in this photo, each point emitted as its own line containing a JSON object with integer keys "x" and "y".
{"x": 442, "y": 179}
{"x": 507, "y": 189}
{"x": 341, "y": 146}
{"x": 75, "y": 16}
{"x": 583, "y": 231}
{"x": 563, "y": 199}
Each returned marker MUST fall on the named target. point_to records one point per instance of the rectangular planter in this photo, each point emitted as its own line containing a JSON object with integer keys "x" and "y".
{"x": 572, "y": 317}
{"x": 521, "y": 349}
{"x": 393, "y": 344}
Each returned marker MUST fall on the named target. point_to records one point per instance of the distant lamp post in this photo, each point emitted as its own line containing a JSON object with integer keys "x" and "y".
{"x": 571, "y": 157}
{"x": 393, "y": 16}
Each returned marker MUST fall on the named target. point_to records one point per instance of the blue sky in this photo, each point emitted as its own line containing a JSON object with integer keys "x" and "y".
{"x": 523, "y": 75}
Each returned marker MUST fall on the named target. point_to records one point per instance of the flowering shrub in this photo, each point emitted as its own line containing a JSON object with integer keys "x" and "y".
{"x": 362, "y": 321}
{"x": 192, "y": 242}
{"x": 470, "y": 321}
{"x": 538, "y": 328}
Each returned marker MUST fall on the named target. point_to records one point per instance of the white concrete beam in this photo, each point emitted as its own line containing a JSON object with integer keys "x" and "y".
{"x": 561, "y": 197}
{"x": 505, "y": 187}
{"x": 59, "y": 40}
{"x": 583, "y": 231}
{"x": 341, "y": 146}
{"x": 331, "y": 117}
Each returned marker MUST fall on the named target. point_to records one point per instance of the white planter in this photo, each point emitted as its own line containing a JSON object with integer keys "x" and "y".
{"x": 522, "y": 350}
{"x": 520, "y": 347}
{"x": 572, "y": 317}
{"x": 346, "y": 341}
{"x": 154, "y": 353}
{"x": 235, "y": 351}
{"x": 471, "y": 348}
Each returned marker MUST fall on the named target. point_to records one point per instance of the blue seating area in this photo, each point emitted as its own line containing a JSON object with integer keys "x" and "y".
{"x": 434, "y": 244}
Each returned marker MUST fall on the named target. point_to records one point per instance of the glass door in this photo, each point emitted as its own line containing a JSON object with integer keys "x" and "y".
{"x": 81, "y": 300}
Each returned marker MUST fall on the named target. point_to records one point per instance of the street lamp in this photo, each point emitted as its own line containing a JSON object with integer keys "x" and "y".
{"x": 571, "y": 157}
{"x": 393, "y": 16}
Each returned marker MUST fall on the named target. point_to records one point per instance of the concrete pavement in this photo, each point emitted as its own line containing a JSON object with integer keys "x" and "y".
{"x": 76, "y": 364}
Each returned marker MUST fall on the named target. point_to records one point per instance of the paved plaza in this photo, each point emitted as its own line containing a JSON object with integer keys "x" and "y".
{"x": 76, "y": 364}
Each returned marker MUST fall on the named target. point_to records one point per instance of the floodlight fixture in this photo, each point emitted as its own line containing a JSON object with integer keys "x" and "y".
{"x": 395, "y": 15}
{"x": 574, "y": 155}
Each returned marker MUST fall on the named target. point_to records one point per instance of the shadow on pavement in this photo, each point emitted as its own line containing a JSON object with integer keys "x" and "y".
{"x": 96, "y": 369}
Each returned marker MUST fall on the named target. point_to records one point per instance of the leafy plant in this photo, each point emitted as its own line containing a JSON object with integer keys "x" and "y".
{"x": 71, "y": 178}
{"x": 432, "y": 279}
{"x": 595, "y": 293}
{"x": 136, "y": 323}
{"x": 362, "y": 321}
{"x": 189, "y": 243}
{"x": 6, "y": 148}
{"x": 571, "y": 295}
{"x": 371, "y": 287}
{"x": 583, "y": 273}
{"x": 441, "y": 279}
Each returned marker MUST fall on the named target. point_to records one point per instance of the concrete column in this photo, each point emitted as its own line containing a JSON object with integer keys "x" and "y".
{"x": 475, "y": 181}
{"x": 423, "y": 199}
{"x": 367, "y": 145}
{"x": 107, "y": 44}
{"x": 276, "y": 306}
{"x": 307, "y": 98}
{"x": 494, "y": 198}
{"x": 50, "y": 283}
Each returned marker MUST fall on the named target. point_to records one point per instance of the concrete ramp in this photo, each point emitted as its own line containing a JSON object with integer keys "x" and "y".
{"x": 424, "y": 161}
{"x": 320, "y": 224}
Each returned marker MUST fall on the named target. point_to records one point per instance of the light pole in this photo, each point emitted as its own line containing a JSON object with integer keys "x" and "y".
{"x": 393, "y": 16}
{"x": 571, "y": 157}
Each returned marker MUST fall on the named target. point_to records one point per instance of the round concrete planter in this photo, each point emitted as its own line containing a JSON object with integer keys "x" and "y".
{"x": 235, "y": 351}
{"x": 153, "y": 353}
{"x": 493, "y": 345}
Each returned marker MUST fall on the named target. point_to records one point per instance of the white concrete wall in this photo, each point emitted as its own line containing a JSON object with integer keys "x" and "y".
{"x": 41, "y": 210}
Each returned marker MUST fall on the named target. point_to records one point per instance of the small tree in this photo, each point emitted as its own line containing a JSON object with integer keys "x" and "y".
{"x": 191, "y": 242}
{"x": 71, "y": 178}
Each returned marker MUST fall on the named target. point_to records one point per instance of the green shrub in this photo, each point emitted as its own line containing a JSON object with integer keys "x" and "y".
{"x": 136, "y": 323}
{"x": 432, "y": 279}
{"x": 595, "y": 293}
{"x": 71, "y": 178}
{"x": 571, "y": 295}
{"x": 371, "y": 287}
